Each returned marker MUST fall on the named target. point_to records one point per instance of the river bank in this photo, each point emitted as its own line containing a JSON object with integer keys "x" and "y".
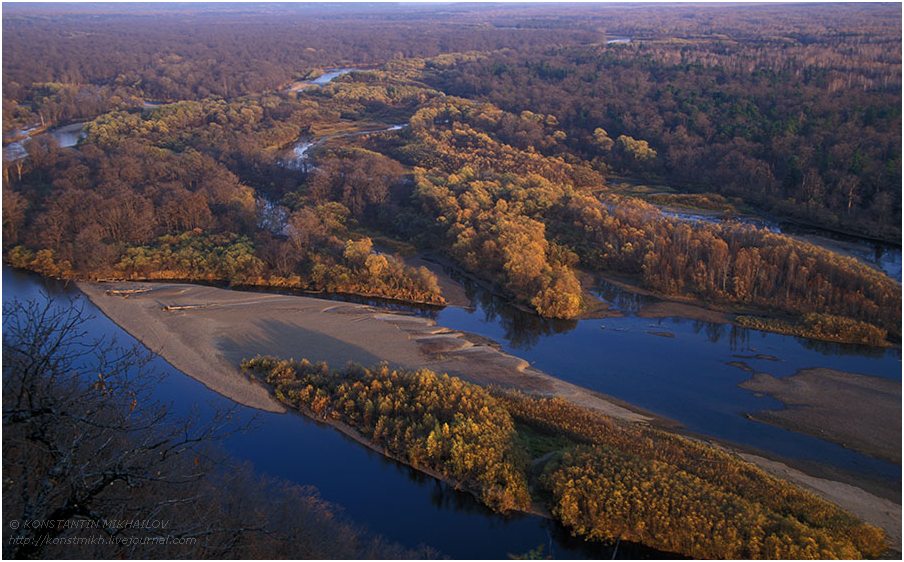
{"x": 208, "y": 331}
{"x": 427, "y": 513}
{"x": 544, "y": 430}
{"x": 657, "y": 305}
{"x": 795, "y": 226}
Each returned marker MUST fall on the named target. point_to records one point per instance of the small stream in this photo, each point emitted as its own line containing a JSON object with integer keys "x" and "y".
{"x": 302, "y": 149}
{"x": 884, "y": 257}
{"x": 66, "y": 136}
{"x": 879, "y": 255}
{"x": 331, "y": 75}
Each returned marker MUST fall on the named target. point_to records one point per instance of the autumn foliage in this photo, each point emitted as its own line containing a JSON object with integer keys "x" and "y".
{"x": 601, "y": 478}
{"x": 435, "y": 422}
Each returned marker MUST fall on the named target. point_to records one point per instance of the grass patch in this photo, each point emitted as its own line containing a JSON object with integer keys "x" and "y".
{"x": 537, "y": 443}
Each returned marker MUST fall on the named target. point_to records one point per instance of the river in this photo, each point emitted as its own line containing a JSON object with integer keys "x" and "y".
{"x": 386, "y": 497}
{"x": 679, "y": 368}
{"x": 69, "y": 135}
{"x": 685, "y": 377}
{"x": 692, "y": 375}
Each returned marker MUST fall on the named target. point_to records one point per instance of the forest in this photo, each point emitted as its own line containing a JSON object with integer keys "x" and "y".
{"x": 502, "y": 128}
{"x": 493, "y": 140}
{"x": 603, "y": 479}
{"x": 805, "y": 123}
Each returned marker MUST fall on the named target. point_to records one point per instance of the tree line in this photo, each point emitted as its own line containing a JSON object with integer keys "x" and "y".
{"x": 203, "y": 189}
{"x": 529, "y": 230}
{"x": 152, "y": 195}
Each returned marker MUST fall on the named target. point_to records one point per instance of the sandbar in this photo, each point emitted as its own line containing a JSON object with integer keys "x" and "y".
{"x": 859, "y": 412}
{"x": 207, "y": 331}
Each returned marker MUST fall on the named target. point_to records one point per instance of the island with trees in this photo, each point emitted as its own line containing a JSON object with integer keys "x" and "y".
{"x": 603, "y": 479}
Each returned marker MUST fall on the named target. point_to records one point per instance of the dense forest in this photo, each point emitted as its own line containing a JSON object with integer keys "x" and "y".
{"x": 805, "y": 121}
{"x": 496, "y": 147}
{"x": 602, "y": 479}
{"x": 65, "y": 66}
{"x": 530, "y": 218}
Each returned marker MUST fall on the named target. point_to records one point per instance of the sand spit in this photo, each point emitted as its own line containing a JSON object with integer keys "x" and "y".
{"x": 859, "y": 412}
{"x": 139, "y": 309}
{"x": 206, "y": 332}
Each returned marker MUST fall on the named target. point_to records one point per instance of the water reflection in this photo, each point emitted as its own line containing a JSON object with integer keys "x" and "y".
{"x": 522, "y": 328}
{"x": 621, "y": 300}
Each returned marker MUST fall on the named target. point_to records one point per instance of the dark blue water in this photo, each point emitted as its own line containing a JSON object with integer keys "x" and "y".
{"x": 685, "y": 377}
{"x": 385, "y": 497}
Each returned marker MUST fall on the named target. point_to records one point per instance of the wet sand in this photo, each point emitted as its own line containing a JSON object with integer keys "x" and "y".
{"x": 206, "y": 332}
{"x": 859, "y": 412}
{"x": 453, "y": 291}
{"x": 669, "y": 309}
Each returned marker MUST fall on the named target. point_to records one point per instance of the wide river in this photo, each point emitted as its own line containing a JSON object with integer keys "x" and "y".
{"x": 679, "y": 368}
{"x": 685, "y": 377}
{"x": 386, "y": 497}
